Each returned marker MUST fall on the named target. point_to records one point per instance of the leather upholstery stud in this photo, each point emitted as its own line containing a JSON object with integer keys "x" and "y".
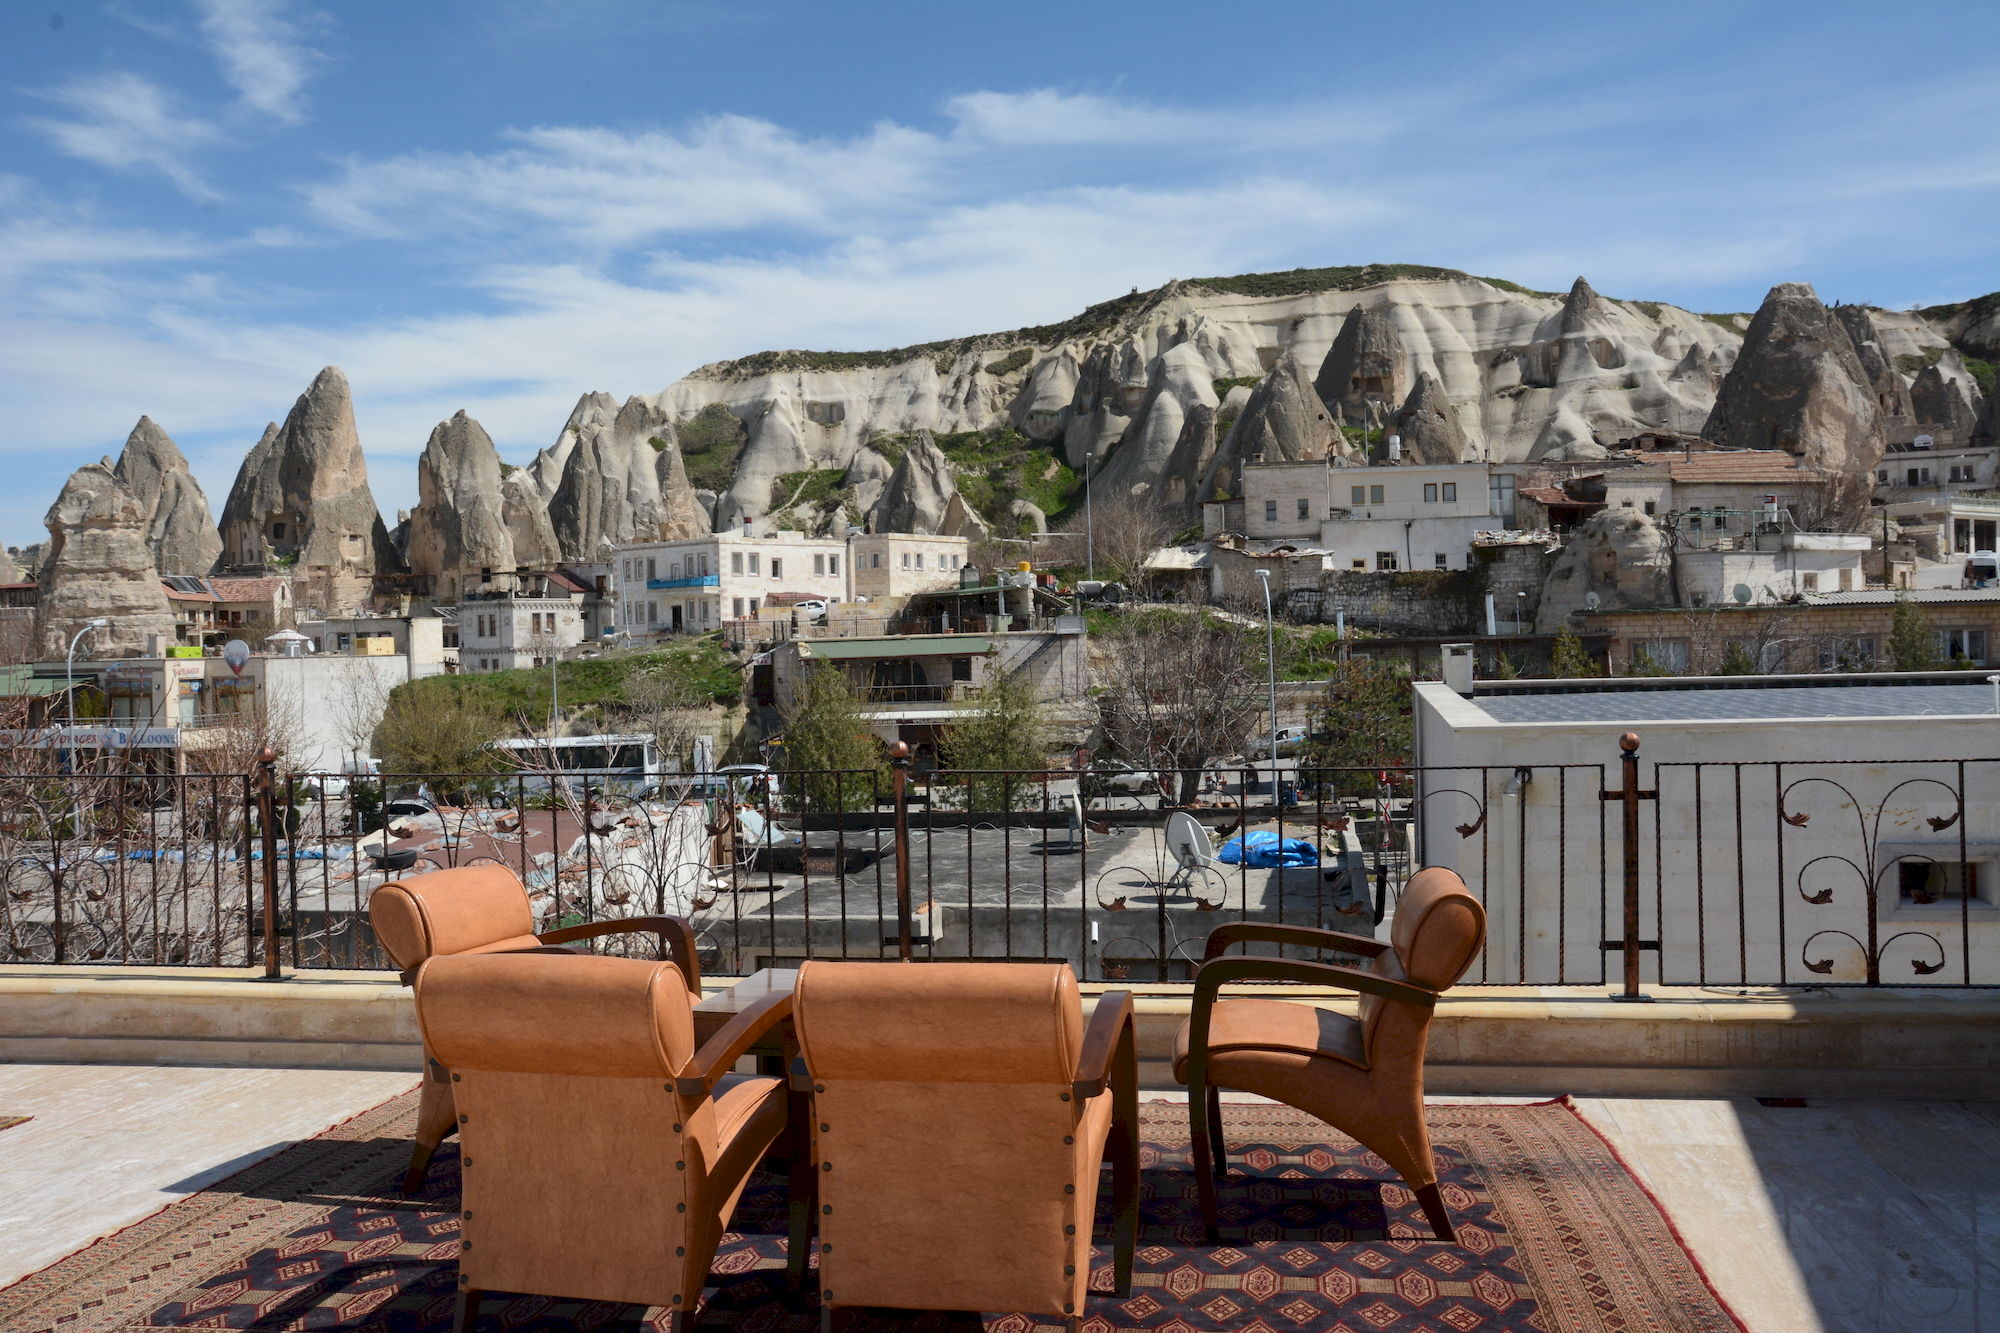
{"x": 825, "y": 1128}
{"x": 1063, "y": 1095}
{"x": 680, "y": 1166}
{"x": 1069, "y": 1139}
{"x": 680, "y": 1207}
{"x": 1069, "y": 1270}
{"x": 1069, "y": 1189}
{"x": 455, "y": 1078}
{"x": 819, "y": 1087}
{"x": 826, "y": 1249}
{"x": 465, "y": 1120}
{"x": 826, "y": 1209}
{"x": 680, "y": 1251}
{"x": 826, "y": 1166}
{"x": 1069, "y": 1230}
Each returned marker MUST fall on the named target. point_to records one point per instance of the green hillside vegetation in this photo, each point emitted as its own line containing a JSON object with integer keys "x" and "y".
{"x": 590, "y": 685}
{"x": 711, "y": 441}
{"x": 996, "y": 467}
{"x": 1347, "y": 278}
{"x": 800, "y": 496}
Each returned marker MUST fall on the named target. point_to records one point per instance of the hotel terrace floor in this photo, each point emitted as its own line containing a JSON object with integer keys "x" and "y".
{"x": 1836, "y": 1215}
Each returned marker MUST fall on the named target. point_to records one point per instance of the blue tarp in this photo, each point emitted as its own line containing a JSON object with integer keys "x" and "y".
{"x": 1266, "y": 851}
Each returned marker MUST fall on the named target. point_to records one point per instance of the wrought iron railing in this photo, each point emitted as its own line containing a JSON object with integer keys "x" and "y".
{"x": 1605, "y": 875}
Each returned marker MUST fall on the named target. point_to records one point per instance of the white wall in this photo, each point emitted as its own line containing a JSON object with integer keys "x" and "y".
{"x": 1553, "y": 883}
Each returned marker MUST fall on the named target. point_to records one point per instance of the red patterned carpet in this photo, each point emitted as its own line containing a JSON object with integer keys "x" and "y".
{"x": 1555, "y": 1236}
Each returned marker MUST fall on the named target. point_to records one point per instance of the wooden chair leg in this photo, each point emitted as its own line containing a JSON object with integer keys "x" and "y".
{"x": 1435, "y": 1214}
{"x": 435, "y": 1121}
{"x": 680, "y": 1321}
{"x": 802, "y": 1187}
{"x": 466, "y": 1314}
{"x": 1204, "y": 1163}
{"x": 1215, "y": 1133}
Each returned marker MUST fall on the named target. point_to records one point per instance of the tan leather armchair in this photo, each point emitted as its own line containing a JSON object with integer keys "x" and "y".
{"x": 484, "y": 909}
{"x": 602, "y": 1151}
{"x": 961, "y": 1115}
{"x": 1362, "y": 1075}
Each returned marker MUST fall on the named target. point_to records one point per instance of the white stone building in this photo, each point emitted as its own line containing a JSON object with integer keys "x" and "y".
{"x": 502, "y": 630}
{"x": 695, "y": 586}
{"x": 896, "y": 564}
{"x": 1392, "y": 517}
{"x": 1781, "y": 565}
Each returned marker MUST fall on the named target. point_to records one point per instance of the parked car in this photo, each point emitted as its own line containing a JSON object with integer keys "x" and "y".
{"x": 1114, "y": 776}
{"x": 1290, "y": 741}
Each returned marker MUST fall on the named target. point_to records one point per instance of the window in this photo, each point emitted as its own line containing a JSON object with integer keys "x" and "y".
{"x": 1305, "y": 508}
{"x": 1270, "y": 511}
{"x": 819, "y": 564}
{"x": 961, "y": 668}
{"x": 777, "y": 568}
{"x": 1359, "y": 494}
{"x": 652, "y": 613}
{"x": 736, "y": 608}
{"x": 1809, "y": 581}
{"x": 920, "y": 560}
{"x": 1360, "y": 564}
{"x": 736, "y": 562}
{"x": 753, "y": 606}
{"x": 1374, "y": 495}
{"x": 1385, "y": 560}
{"x": 704, "y": 564}
{"x": 651, "y": 571}
{"x": 1451, "y": 492}
{"x": 1442, "y": 561}
{"x": 1969, "y": 644}
{"x": 833, "y": 564}
{"x": 674, "y": 571}
{"x": 753, "y": 562}
{"x": 1669, "y": 654}
{"x": 874, "y": 560}
{"x": 906, "y": 560}
{"x": 1430, "y": 493}
{"x": 1842, "y": 654}
{"x": 1501, "y": 496}
{"x": 1652, "y": 507}
{"x": 1920, "y": 880}
{"x": 1847, "y": 580}
{"x": 1918, "y": 476}
{"x": 1882, "y": 476}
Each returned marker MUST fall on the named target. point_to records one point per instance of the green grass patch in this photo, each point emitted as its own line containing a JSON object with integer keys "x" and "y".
{"x": 1011, "y": 362}
{"x": 711, "y": 441}
{"x": 588, "y": 682}
{"x": 994, "y": 468}
{"x": 1915, "y": 363}
{"x": 1223, "y": 386}
{"x": 1651, "y": 309}
{"x": 1345, "y": 278}
{"x": 1982, "y": 373}
{"x": 1734, "y": 323}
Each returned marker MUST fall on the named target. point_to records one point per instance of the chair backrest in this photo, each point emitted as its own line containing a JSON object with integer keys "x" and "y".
{"x": 468, "y": 909}
{"x": 577, "y": 1154}
{"x": 1438, "y": 929}
{"x": 1187, "y": 840}
{"x": 952, "y": 1145}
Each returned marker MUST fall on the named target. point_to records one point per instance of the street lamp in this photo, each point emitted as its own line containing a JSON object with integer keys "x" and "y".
{"x": 1271, "y": 669}
{"x": 70, "y": 662}
{"x": 1089, "y": 524}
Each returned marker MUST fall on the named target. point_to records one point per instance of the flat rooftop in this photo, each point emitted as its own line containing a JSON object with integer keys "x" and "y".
{"x": 1744, "y": 698}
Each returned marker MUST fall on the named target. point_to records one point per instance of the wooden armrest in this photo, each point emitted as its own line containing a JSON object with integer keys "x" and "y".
{"x": 1310, "y": 937}
{"x": 1110, "y": 1023}
{"x": 1219, "y": 972}
{"x": 719, "y": 1054}
{"x": 674, "y": 932}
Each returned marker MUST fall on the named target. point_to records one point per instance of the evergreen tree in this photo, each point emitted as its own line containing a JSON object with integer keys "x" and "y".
{"x": 1005, "y": 736}
{"x": 1644, "y": 665}
{"x": 1912, "y": 642}
{"x": 829, "y": 759}
{"x": 1365, "y": 728}
{"x": 1568, "y": 660}
{"x": 1504, "y": 668}
{"x": 1737, "y": 662}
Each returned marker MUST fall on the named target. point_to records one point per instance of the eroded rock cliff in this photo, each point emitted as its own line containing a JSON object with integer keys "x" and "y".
{"x": 100, "y": 563}
{"x": 179, "y": 528}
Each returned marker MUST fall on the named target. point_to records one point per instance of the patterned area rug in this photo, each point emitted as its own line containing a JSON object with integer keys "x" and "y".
{"x": 1555, "y": 1237}
{"x": 9, "y": 1121}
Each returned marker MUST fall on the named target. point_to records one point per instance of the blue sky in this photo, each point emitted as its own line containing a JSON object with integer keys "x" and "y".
{"x": 501, "y": 204}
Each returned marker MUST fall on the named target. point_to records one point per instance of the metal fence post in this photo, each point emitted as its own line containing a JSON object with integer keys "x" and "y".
{"x": 1628, "y": 799}
{"x": 267, "y": 819}
{"x": 899, "y": 763}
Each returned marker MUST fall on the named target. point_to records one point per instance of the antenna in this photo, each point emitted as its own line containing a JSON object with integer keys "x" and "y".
{"x": 1591, "y": 601}
{"x": 1741, "y": 592}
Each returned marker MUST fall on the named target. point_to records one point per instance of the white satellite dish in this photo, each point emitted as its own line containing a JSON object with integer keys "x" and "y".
{"x": 1591, "y": 601}
{"x": 236, "y": 655}
{"x": 1742, "y": 593}
{"x": 1187, "y": 840}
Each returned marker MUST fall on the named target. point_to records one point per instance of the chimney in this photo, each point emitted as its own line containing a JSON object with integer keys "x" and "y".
{"x": 1458, "y": 668}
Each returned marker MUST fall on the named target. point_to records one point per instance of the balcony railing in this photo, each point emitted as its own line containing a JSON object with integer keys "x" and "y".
{"x": 692, "y": 581}
{"x": 1593, "y": 874}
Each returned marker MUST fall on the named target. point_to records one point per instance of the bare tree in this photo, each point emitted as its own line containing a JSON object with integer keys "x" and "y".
{"x": 1126, "y": 531}
{"x": 1835, "y": 502}
{"x": 359, "y": 698}
{"x": 1184, "y": 689}
{"x": 661, "y": 702}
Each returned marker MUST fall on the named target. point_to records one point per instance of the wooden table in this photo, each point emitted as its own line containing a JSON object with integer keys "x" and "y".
{"x": 718, "y": 1008}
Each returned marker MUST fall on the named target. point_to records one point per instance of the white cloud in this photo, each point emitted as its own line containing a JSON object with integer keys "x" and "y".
{"x": 261, "y": 55}
{"x": 128, "y": 123}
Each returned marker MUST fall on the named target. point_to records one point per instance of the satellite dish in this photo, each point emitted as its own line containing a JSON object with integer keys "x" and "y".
{"x": 1187, "y": 840}
{"x": 1591, "y": 601}
{"x": 236, "y": 654}
{"x": 1741, "y": 592}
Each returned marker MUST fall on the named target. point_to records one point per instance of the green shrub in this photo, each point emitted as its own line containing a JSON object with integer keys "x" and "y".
{"x": 1222, "y": 387}
{"x": 711, "y": 441}
{"x": 829, "y": 759}
{"x": 1011, "y": 362}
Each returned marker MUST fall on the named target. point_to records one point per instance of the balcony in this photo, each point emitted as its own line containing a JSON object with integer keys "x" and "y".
{"x": 693, "y": 581}
{"x": 139, "y": 938}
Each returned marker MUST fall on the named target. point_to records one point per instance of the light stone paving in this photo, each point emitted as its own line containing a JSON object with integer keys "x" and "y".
{"x": 1836, "y": 1217}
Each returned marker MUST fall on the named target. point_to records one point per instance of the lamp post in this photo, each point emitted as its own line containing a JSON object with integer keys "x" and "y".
{"x": 1271, "y": 671}
{"x": 69, "y": 666}
{"x": 1089, "y": 521}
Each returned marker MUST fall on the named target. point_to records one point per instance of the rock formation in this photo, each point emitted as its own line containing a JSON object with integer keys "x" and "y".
{"x": 1943, "y": 405}
{"x": 1622, "y": 555}
{"x": 1284, "y": 421}
{"x": 593, "y": 412}
{"x": 611, "y": 490}
{"x": 1171, "y": 439}
{"x": 459, "y": 526}
{"x": 100, "y": 563}
{"x": 1428, "y": 424}
{"x": 180, "y": 529}
{"x": 10, "y": 572}
{"x": 526, "y": 516}
{"x": 1798, "y": 385}
{"x": 302, "y": 498}
{"x": 1366, "y": 370}
{"x": 1891, "y": 394}
{"x": 923, "y": 497}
